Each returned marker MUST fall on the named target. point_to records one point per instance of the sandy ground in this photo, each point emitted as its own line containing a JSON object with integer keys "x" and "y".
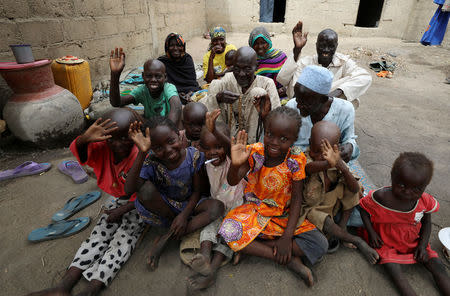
{"x": 406, "y": 113}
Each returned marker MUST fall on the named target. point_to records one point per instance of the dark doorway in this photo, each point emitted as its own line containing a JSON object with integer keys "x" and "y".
{"x": 279, "y": 10}
{"x": 272, "y": 11}
{"x": 369, "y": 13}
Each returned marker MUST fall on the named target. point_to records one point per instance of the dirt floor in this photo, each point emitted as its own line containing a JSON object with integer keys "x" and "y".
{"x": 406, "y": 113}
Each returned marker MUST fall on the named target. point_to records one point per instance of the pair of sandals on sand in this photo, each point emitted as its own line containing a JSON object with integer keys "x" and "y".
{"x": 68, "y": 167}
{"x": 61, "y": 227}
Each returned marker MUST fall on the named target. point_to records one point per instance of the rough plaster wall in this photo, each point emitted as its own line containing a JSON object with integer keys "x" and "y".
{"x": 399, "y": 19}
{"x": 181, "y": 16}
{"x": 419, "y": 19}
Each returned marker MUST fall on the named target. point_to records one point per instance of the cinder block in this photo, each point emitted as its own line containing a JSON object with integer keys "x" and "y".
{"x": 126, "y": 24}
{"x": 9, "y": 34}
{"x": 106, "y": 26}
{"x": 113, "y": 7}
{"x": 116, "y": 41}
{"x": 95, "y": 48}
{"x": 41, "y": 32}
{"x": 88, "y": 7}
{"x": 14, "y": 9}
{"x": 79, "y": 29}
{"x": 51, "y": 8}
{"x": 142, "y": 22}
{"x": 57, "y": 51}
{"x": 132, "y": 7}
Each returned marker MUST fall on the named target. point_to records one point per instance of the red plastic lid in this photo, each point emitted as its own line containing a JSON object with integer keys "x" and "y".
{"x": 16, "y": 66}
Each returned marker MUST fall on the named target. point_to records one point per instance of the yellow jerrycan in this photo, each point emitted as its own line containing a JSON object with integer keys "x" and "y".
{"x": 73, "y": 74}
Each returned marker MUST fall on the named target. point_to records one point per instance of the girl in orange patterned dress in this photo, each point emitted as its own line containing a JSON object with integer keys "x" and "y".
{"x": 266, "y": 224}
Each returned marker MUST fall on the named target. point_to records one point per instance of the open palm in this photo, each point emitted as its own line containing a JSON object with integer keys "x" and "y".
{"x": 100, "y": 130}
{"x": 239, "y": 150}
{"x": 117, "y": 60}
{"x": 299, "y": 37}
{"x": 141, "y": 141}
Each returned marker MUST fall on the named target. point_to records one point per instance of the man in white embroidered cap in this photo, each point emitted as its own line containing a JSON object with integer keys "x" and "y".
{"x": 314, "y": 104}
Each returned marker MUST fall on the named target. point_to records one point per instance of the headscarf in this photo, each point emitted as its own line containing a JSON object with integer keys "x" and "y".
{"x": 271, "y": 62}
{"x": 180, "y": 73}
{"x": 217, "y": 32}
{"x": 257, "y": 33}
{"x": 180, "y": 41}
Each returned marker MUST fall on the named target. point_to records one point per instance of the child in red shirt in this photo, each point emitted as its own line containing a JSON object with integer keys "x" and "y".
{"x": 398, "y": 221}
{"x": 106, "y": 148}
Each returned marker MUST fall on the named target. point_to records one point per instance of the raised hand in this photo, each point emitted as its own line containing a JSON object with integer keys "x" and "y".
{"x": 262, "y": 105}
{"x": 99, "y": 131}
{"x": 331, "y": 154}
{"x": 298, "y": 36}
{"x": 239, "y": 150}
{"x": 117, "y": 60}
{"x": 211, "y": 118}
{"x": 142, "y": 142}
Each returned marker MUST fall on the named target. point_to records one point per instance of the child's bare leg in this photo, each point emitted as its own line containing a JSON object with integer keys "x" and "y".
{"x": 329, "y": 227}
{"x": 151, "y": 199}
{"x": 156, "y": 250}
{"x": 94, "y": 288}
{"x": 437, "y": 269}
{"x": 343, "y": 224}
{"x": 200, "y": 282}
{"x": 201, "y": 262}
{"x": 205, "y": 213}
{"x": 344, "y": 219}
{"x": 400, "y": 281}
{"x": 70, "y": 278}
{"x": 265, "y": 250}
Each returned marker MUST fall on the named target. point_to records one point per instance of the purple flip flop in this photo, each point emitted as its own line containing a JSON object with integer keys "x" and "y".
{"x": 27, "y": 168}
{"x": 74, "y": 170}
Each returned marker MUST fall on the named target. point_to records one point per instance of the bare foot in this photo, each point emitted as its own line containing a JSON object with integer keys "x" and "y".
{"x": 51, "y": 292}
{"x": 201, "y": 265}
{"x": 199, "y": 282}
{"x": 94, "y": 288}
{"x": 155, "y": 252}
{"x": 237, "y": 258}
{"x": 297, "y": 266}
{"x": 370, "y": 254}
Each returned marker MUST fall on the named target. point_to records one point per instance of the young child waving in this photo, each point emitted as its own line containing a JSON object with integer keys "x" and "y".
{"x": 168, "y": 183}
{"x": 398, "y": 221}
{"x": 215, "y": 143}
{"x": 273, "y": 197}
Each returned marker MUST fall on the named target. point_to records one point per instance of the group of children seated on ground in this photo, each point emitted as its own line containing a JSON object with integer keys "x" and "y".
{"x": 268, "y": 199}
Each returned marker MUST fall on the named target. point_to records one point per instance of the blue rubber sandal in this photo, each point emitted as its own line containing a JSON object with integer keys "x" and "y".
{"x": 76, "y": 204}
{"x": 59, "y": 230}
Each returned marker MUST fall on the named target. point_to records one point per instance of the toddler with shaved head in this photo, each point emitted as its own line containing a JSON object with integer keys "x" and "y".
{"x": 330, "y": 188}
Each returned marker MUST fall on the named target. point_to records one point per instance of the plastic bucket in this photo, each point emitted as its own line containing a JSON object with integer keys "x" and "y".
{"x": 22, "y": 53}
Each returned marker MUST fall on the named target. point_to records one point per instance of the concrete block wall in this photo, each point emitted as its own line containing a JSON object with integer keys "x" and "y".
{"x": 91, "y": 28}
